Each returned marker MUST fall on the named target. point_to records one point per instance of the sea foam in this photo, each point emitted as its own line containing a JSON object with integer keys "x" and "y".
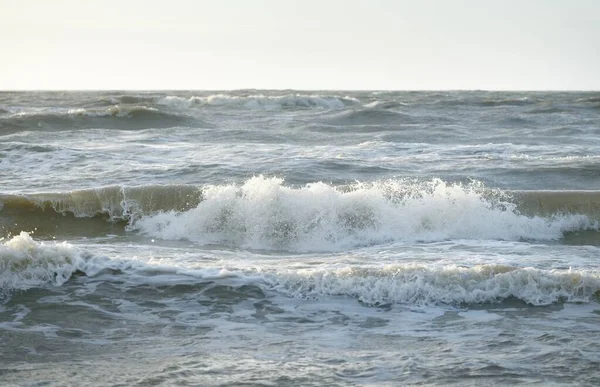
{"x": 26, "y": 263}
{"x": 415, "y": 284}
{"x": 263, "y": 213}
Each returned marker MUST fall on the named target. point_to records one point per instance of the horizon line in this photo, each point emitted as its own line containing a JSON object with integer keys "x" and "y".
{"x": 292, "y": 89}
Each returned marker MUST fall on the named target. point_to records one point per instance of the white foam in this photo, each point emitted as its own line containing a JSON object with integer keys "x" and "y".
{"x": 263, "y": 213}
{"x": 25, "y": 263}
{"x": 416, "y": 284}
{"x": 128, "y": 111}
{"x": 178, "y": 102}
{"x": 90, "y": 112}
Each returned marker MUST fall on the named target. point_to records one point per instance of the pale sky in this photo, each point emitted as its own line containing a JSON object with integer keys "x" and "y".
{"x": 300, "y": 44}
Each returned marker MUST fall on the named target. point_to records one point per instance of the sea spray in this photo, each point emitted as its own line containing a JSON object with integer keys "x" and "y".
{"x": 263, "y": 213}
{"x": 26, "y": 263}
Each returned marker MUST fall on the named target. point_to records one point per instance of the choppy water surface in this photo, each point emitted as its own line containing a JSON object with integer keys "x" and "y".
{"x": 299, "y": 238}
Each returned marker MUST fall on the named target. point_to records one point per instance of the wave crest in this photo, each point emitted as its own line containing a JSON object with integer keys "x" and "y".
{"x": 116, "y": 202}
{"x": 263, "y": 213}
{"x": 25, "y": 264}
{"x": 111, "y": 117}
{"x": 453, "y": 285}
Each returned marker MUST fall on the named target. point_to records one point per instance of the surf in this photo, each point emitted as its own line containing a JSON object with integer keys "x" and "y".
{"x": 265, "y": 213}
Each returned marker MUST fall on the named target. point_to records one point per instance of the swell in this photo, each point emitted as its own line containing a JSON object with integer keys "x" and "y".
{"x": 114, "y": 202}
{"x": 261, "y": 101}
{"x": 468, "y": 99}
{"x": 547, "y": 110}
{"x": 374, "y": 117}
{"x": 524, "y": 101}
{"x": 113, "y": 117}
{"x": 123, "y": 203}
{"x": 92, "y": 212}
{"x": 595, "y": 99}
{"x": 115, "y": 110}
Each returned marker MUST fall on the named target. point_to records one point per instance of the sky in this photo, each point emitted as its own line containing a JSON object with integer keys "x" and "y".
{"x": 300, "y": 44}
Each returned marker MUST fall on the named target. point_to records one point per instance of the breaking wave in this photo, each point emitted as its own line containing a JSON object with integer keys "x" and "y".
{"x": 452, "y": 285}
{"x": 25, "y": 264}
{"x": 264, "y": 213}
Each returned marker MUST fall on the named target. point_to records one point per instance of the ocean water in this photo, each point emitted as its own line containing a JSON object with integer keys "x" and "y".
{"x": 299, "y": 238}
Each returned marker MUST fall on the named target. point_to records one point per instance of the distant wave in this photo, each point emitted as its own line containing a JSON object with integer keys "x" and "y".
{"x": 592, "y": 99}
{"x": 112, "y": 111}
{"x": 131, "y": 110}
{"x": 386, "y": 105}
{"x": 135, "y": 99}
{"x": 507, "y": 102}
{"x": 546, "y": 110}
{"x": 368, "y": 117}
{"x": 112, "y": 117}
{"x": 475, "y": 100}
{"x": 262, "y": 102}
{"x": 517, "y": 122}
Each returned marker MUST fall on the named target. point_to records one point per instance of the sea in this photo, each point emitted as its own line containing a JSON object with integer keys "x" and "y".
{"x": 299, "y": 238}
